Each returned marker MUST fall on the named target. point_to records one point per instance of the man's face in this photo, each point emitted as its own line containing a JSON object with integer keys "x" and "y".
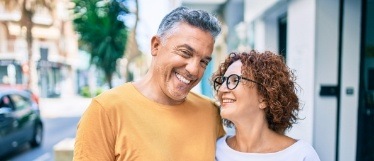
{"x": 180, "y": 60}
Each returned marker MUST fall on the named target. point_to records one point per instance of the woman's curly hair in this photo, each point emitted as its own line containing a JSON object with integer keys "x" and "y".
{"x": 277, "y": 86}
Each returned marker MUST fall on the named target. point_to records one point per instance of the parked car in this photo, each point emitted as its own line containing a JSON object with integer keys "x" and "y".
{"x": 21, "y": 87}
{"x": 20, "y": 120}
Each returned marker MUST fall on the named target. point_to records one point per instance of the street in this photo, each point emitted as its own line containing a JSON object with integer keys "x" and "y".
{"x": 60, "y": 117}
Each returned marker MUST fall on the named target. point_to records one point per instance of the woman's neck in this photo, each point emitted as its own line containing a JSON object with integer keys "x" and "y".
{"x": 250, "y": 138}
{"x": 258, "y": 138}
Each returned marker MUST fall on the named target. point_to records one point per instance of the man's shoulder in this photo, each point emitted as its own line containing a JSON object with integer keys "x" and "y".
{"x": 116, "y": 93}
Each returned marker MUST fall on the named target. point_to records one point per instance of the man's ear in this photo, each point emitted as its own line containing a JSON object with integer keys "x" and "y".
{"x": 155, "y": 45}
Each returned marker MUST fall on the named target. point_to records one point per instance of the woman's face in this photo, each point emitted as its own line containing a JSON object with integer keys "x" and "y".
{"x": 242, "y": 104}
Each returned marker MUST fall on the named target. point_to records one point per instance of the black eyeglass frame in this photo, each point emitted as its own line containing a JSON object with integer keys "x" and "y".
{"x": 217, "y": 85}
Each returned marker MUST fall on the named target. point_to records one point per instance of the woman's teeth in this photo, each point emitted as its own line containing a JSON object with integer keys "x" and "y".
{"x": 228, "y": 100}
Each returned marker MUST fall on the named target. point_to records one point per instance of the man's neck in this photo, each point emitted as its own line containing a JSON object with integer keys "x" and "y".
{"x": 152, "y": 90}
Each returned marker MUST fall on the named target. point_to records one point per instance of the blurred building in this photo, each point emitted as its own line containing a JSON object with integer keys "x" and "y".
{"x": 54, "y": 49}
{"x": 330, "y": 45}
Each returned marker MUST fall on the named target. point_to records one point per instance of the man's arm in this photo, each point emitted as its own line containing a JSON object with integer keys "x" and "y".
{"x": 95, "y": 139}
{"x": 221, "y": 131}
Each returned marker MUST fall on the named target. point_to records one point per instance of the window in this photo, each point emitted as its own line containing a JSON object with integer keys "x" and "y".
{"x": 20, "y": 102}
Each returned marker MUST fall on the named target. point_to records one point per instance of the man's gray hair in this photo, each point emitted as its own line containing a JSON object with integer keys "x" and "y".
{"x": 197, "y": 18}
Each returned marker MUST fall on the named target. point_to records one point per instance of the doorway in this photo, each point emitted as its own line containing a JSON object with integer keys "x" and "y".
{"x": 282, "y": 38}
{"x": 365, "y": 140}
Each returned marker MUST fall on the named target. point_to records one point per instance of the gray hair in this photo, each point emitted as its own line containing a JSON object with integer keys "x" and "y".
{"x": 197, "y": 18}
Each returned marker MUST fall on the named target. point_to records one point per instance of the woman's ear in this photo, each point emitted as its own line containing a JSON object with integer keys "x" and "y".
{"x": 262, "y": 104}
{"x": 155, "y": 45}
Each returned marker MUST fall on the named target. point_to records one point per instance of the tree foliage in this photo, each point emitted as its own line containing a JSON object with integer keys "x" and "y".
{"x": 102, "y": 32}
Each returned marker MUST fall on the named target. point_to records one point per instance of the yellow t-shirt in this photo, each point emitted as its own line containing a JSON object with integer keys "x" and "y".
{"x": 121, "y": 124}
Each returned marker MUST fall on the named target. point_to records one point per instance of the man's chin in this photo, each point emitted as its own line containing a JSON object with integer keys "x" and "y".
{"x": 178, "y": 94}
{"x": 178, "y": 97}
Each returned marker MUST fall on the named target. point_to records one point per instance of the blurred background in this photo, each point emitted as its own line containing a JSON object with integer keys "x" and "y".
{"x": 64, "y": 52}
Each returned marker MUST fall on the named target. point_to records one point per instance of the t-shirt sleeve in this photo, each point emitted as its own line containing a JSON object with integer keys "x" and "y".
{"x": 311, "y": 154}
{"x": 95, "y": 138}
{"x": 312, "y": 157}
{"x": 221, "y": 131}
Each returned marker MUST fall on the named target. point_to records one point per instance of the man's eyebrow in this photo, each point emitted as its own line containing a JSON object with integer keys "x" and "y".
{"x": 188, "y": 47}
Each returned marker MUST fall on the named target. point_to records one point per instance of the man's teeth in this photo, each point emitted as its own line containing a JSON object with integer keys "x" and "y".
{"x": 228, "y": 100}
{"x": 182, "y": 79}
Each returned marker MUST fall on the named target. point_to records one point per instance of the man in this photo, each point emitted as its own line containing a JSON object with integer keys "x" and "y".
{"x": 157, "y": 118}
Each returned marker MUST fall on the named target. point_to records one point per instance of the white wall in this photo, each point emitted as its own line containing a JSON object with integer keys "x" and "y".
{"x": 259, "y": 35}
{"x": 301, "y": 58}
{"x": 266, "y": 25}
{"x": 271, "y": 19}
{"x": 326, "y": 73}
{"x": 350, "y": 78}
{"x": 255, "y": 8}
{"x": 266, "y": 34}
{"x": 271, "y": 34}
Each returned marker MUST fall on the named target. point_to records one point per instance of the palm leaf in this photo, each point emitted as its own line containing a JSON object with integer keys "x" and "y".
{"x": 101, "y": 33}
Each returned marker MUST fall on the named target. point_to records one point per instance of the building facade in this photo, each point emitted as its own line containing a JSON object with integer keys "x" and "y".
{"x": 54, "y": 48}
{"x": 330, "y": 45}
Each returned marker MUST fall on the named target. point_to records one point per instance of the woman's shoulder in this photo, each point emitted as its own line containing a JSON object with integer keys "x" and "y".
{"x": 302, "y": 144}
{"x": 302, "y": 147}
{"x": 299, "y": 150}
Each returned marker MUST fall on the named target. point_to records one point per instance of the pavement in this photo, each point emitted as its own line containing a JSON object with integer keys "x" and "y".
{"x": 67, "y": 106}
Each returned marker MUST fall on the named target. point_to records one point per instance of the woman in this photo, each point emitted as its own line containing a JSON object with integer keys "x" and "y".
{"x": 257, "y": 95}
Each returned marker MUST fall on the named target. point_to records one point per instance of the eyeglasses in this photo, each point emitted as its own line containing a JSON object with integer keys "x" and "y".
{"x": 232, "y": 81}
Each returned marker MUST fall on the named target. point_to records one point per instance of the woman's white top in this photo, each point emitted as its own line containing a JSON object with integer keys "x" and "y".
{"x": 299, "y": 151}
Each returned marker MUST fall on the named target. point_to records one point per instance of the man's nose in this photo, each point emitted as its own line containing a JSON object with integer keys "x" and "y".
{"x": 193, "y": 67}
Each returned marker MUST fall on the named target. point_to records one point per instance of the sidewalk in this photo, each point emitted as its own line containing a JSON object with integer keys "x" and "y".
{"x": 68, "y": 106}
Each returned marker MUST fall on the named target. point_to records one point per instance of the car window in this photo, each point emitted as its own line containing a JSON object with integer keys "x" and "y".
{"x": 20, "y": 102}
{"x": 5, "y": 102}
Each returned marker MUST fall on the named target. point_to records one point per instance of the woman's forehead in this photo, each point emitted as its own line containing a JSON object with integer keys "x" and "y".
{"x": 234, "y": 67}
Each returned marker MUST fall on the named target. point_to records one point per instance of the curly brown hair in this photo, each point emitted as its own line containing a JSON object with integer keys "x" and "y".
{"x": 277, "y": 86}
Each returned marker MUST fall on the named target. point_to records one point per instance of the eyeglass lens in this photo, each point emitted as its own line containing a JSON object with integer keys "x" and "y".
{"x": 231, "y": 81}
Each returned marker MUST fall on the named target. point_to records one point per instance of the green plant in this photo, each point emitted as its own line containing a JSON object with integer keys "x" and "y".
{"x": 85, "y": 92}
{"x": 102, "y": 30}
{"x": 99, "y": 91}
